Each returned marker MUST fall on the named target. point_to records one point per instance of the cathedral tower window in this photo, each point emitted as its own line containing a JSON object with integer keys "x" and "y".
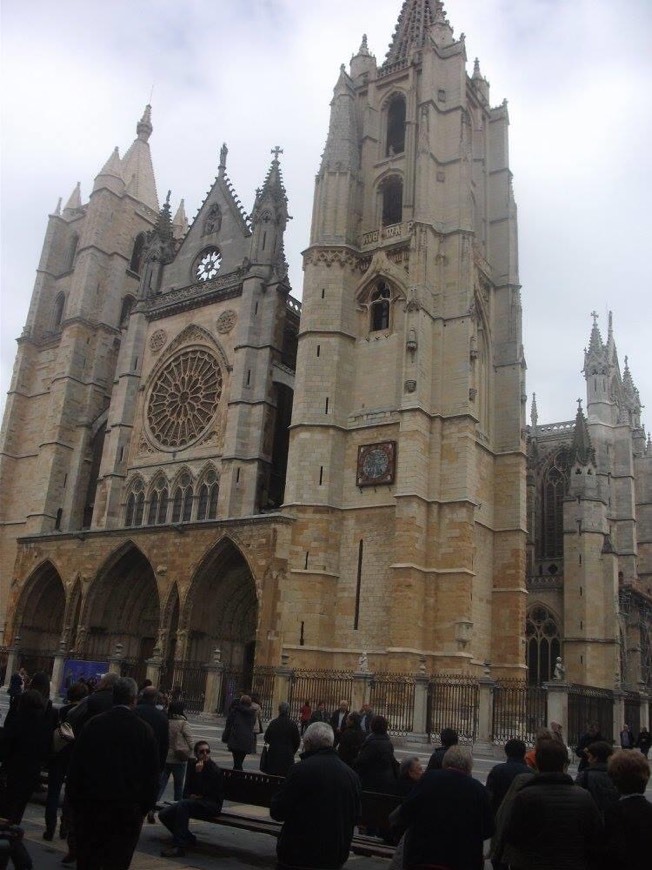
{"x": 158, "y": 503}
{"x": 57, "y": 313}
{"x": 554, "y": 484}
{"x": 72, "y": 251}
{"x": 379, "y": 309}
{"x": 392, "y": 200}
{"x": 182, "y": 502}
{"x": 137, "y": 253}
{"x": 125, "y": 310}
{"x": 395, "y": 143}
{"x": 543, "y": 644}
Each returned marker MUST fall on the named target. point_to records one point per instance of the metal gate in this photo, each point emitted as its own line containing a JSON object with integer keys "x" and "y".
{"x": 392, "y": 696}
{"x": 588, "y": 704}
{"x": 453, "y": 703}
{"x": 518, "y": 711}
{"x": 316, "y": 686}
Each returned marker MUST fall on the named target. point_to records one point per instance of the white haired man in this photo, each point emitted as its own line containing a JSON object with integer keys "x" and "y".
{"x": 319, "y": 805}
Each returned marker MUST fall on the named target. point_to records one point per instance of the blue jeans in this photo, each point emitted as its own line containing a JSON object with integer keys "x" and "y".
{"x": 176, "y": 817}
{"x": 178, "y": 771}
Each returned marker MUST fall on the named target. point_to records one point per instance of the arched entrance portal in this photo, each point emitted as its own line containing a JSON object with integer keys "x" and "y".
{"x": 123, "y": 613}
{"x": 222, "y": 612}
{"x": 38, "y": 624}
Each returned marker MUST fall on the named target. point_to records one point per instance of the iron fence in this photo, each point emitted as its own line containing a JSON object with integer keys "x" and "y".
{"x": 262, "y": 688}
{"x": 589, "y": 704}
{"x": 316, "y": 686}
{"x": 34, "y": 660}
{"x": 134, "y": 668}
{"x": 257, "y": 682}
{"x": 190, "y": 679}
{"x": 392, "y": 696}
{"x": 632, "y": 713}
{"x": 518, "y": 711}
{"x": 453, "y": 703}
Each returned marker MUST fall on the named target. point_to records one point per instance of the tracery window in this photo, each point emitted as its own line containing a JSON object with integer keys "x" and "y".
{"x": 135, "y": 504}
{"x": 208, "y": 494}
{"x": 184, "y": 398}
{"x": 543, "y": 644}
{"x": 158, "y": 503}
{"x": 395, "y": 143}
{"x": 379, "y": 308}
{"x": 554, "y": 486}
{"x": 182, "y": 502}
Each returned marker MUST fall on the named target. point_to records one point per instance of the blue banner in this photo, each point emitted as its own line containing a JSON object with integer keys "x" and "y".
{"x": 75, "y": 670}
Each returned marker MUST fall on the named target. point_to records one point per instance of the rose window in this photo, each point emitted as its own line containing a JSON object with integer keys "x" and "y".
{"x": 208, "y": 265}
{"x": 184, "y": 398}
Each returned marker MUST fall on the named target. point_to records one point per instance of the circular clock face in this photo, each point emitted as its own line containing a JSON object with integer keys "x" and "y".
{"x": 375, "y": 463}
{"x": 209, "y": 265}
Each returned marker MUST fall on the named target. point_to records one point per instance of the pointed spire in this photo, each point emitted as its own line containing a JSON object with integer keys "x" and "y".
{"x": 582, "y": 451}
{"x": 415, "y": 18}
{"x": 144, "y": 126}
{"x": 595, "y": 358}
{"x": 180, "y": 222}
{"x": 57, "y": 210}
{"x": 137, "y": 169}
{"x": 364, "y": 48}
{"x": 74, "y": 202}
{"x": 534, "y": 414}
{"x": 163, "y": 226}
{"x": 476, "y": 69}
{"x": 112, "y": 165}
{"x": 341, "y": 153}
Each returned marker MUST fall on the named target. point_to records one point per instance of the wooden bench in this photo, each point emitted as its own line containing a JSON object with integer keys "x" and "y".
{"x": 251, "y": 788}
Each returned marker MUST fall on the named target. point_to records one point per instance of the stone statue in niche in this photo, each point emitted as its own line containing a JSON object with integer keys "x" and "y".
{"x": 213, "y": 221}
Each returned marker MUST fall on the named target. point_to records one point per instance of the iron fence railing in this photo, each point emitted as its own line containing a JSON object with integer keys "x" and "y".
{"x": 588, "y": 704}
{"x": 187, "y": 681}
{"x": 392, "y": 696}
{"x": 453, "y": 703}
{"x": 34, "y": 660}
{"x": 134, "y": 668}
{"x": 314, "y": 686}
{"x": 518, "y": 711}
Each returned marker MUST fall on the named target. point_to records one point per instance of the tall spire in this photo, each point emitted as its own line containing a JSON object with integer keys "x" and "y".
{"x": 415, "y": 18}
{"x": 342, "y": 150}
{"x": 137, "y": 169}
{"x": 180, "y": 221}
{"x": 74, "y": 201}
{"x": 595, "y": 358}
{"x": 582, "y": 451}
{"x": 534, "y": 414}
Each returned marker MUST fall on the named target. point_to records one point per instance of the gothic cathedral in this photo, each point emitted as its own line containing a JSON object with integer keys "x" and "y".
{"x": 196, "y": 465}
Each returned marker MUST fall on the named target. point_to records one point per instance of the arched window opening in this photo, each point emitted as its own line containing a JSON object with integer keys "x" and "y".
{"x": 131, "y": 507}
{"x": 72, "y": 251}
{"x": 208, "y": 493}
{"x": 140, "y": 509}
{"x": 57, "y": 313}
{"x": 380, "y": 309}
{"x": 202, "y": 506}
{"x": 212, "y": 501}
{"x": 182, "y": 502}
{"x": 125, "y": 311}
{"x": 135, "y": 510}
{"x": 553, "y": 491}
{"x": 137, "y": 253}
{"x": 543, "y": 644}
{"x": 153, "y": 510}
{"x": 392, "y": 192}
{"x": 162, "y": 507}
{"x": 395, "y": 127}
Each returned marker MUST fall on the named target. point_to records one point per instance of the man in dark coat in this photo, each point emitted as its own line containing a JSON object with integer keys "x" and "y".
{"x": 501, "y": 775}
{"x": 239, "y": 734}
{"x": 366, "y": 715}
{"x": 338, "y": 719}
{"x": 553, "y": 822}
{"x": 591, "y": 736}
{"x": 448, "y": 737}
{"x": 320, "y": 714}
{"x": 283, "y": 738}
{"x": 376, "y": 765}
{"x": 99, "y": 701}
{"x": 146, "y": 709}
{"x": 203, "y": 794}
{"x": 113, "y": 780}
{"x": 319, "y": 805}
{"x": 447, "y": 816}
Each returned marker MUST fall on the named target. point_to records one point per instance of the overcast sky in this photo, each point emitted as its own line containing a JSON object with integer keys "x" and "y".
{"x": 577, "y": 74}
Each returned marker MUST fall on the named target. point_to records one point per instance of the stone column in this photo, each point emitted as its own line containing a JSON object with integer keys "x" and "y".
{"x": 361, "y": 692}
{"x": 282, "y": 683}
{"x": 153, "y": 670}
{"x": 484, "y": 739}
{"x": 557, "y": 698}
{"x": 57, "y": 671}
{"x": 644, "y": 700}
{"x": 419, "y": 731}
{"x": 214, "y": 676}
{"x": 618, "y": 714}
{"x": 115, "y": 661}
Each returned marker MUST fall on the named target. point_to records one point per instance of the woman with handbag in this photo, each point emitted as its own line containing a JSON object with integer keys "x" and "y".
{"x": 282, "y": 739}
{"x": 180, "y": 749}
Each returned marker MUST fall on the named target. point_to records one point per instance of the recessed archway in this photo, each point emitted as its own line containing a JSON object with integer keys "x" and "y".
{"x": 39, "y": 618}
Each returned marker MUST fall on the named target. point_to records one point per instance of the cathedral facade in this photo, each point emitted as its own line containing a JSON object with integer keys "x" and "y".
{"x": 193, "y": 460}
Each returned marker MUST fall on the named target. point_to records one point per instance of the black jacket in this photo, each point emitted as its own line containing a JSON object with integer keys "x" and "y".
{"x": 282, "y": 736}
{"x": 628, "y": 833}
{"x": 160, "y": 726}
{"x": 448, "y": 817}
{"x": 553, "y": 824}
{"x": 239, "y": 729}
{"x": 351, "y": 740}
{"x": 115, "y": 759}
{"x": 319, "y": 804}
{"x": 27, "y": 742}
{"x": 435, "y": 760}
{"x": 376, "y": 765}
{"x": 501, "y": 777}
{"x": 207, "y": 784}
{"x": 599, "y": 785}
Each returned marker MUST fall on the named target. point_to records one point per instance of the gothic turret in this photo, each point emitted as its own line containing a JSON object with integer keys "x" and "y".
{"x": 363, "y": 63}
{"x": 415, "y": 18}
{"x": 269, "y": 218}
{"x": 137, "y": 168}
{"x": 74, "y": 201}
{"x": 110, "y": 175}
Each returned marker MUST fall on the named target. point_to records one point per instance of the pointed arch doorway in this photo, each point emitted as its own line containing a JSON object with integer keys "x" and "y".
{"x": 222, "y": 613}
{"x": 123, "y": 612}
{"x": 38, "y": 624}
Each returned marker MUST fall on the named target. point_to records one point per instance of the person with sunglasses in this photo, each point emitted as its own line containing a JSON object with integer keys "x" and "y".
{"x": 203, "y": 795}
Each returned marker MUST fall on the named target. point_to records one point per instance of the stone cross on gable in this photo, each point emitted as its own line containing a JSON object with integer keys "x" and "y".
{"x": 276, "y": 151}
{"x": 595, "y": 315}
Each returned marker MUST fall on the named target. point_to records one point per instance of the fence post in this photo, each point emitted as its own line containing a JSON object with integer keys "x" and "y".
{"x": 644, "y": 700}
{"x": 214, "y": 677}
{"x": 618, "y": 714}
{"x": 361, "y": 691}
{"x": 557, "y": 701}
{"x": 115, "y": 661}
{"x": 282, "y": 683}
{"x": 486, "y": 686}
{"x": 57, "y": 670}
{"x": 420, "y": 713}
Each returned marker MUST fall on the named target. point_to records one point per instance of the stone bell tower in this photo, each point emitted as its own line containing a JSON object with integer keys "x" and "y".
{"x": 406, "y": 472}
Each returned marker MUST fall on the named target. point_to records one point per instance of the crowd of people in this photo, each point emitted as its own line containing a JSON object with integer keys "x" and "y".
{"x": 117, "y": 746}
